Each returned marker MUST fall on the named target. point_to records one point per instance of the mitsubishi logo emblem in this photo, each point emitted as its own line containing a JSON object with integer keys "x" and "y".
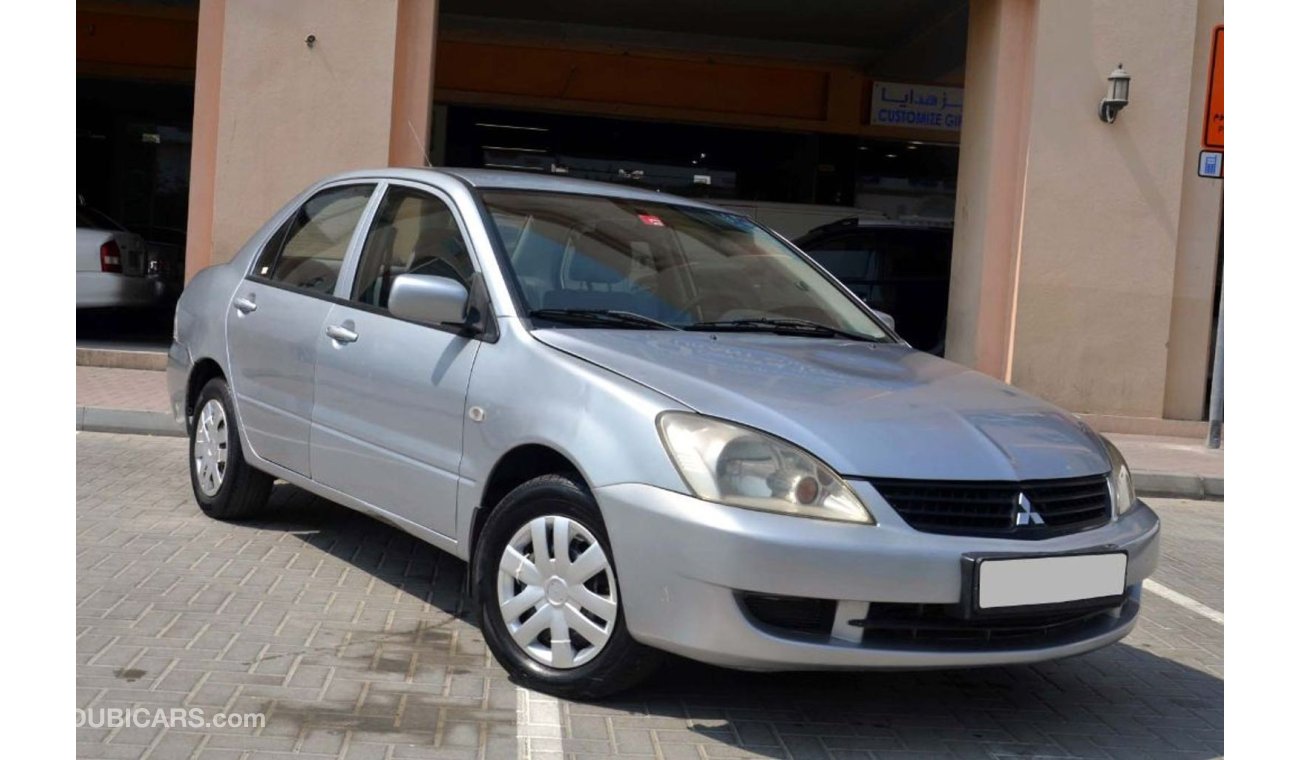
{"x": 1025, "y": 514}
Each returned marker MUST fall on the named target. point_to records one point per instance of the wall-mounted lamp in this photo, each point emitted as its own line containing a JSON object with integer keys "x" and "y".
{"x": 311, "y": 41}
{"x": 1116, "y": 95}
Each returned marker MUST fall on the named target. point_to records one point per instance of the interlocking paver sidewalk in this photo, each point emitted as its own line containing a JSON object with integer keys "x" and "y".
{"x": 106, "y": 388}
{"x": 351, "y": 638}
{"x": 1155, "y": 453}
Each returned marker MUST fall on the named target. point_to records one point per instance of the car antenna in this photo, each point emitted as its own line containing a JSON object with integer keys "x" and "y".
{"x": 423, "y": 151}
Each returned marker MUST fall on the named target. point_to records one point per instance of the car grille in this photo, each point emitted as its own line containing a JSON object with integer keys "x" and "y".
{"x": 990, "y": 508}
{"x": 901, "y": 624}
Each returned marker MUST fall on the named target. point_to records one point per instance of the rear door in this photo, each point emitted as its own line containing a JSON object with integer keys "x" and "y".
{"x": 390, "y": 394}
{"x": 274, "y": 321}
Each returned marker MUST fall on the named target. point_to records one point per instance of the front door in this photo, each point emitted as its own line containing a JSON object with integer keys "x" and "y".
{"x": 275, "y": 318}
{"x": 390, "y": 394}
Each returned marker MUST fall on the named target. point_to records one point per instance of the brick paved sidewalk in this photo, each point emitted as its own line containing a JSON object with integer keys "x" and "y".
{"x": 141, "y": 389}
{"x": 1154, "y": 453}
{"x": 351, "y": 638}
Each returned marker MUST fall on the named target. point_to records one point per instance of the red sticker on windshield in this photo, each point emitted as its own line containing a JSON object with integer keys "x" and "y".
{"x": 651, "y": 220}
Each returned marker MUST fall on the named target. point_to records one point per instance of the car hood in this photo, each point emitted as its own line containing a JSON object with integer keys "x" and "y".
{"x": 866, "y": 409}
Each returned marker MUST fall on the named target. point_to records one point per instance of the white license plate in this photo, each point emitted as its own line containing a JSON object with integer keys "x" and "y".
{"x": 1050, "y": 580}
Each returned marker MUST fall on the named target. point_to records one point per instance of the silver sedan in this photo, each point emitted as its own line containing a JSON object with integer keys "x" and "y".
{"x": 649, "y": 425}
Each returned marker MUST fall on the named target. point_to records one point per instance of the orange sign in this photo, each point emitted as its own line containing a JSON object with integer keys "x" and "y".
{"x": 1212, "y": 135}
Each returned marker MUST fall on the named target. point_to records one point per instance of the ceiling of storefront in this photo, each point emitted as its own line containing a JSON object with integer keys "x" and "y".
{"x": 923, "y": 40}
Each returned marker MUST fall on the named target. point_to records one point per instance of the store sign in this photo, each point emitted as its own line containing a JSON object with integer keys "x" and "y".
{"x": 1212, "y": 134}
{"x": 915, "y": 105}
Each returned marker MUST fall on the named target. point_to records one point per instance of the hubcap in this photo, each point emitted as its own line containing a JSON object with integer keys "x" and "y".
{"x": 558, "y": 596}
{"x": 211, "y": 439}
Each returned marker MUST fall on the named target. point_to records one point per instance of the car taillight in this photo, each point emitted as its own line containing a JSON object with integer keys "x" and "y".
{"x": 110, "y": 257}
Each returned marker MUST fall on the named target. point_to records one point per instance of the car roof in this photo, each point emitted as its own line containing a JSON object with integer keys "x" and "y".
{"x": 499, "y": 179}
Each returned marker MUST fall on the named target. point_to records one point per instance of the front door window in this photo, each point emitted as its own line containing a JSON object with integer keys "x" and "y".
{"x": 413, "y": 233}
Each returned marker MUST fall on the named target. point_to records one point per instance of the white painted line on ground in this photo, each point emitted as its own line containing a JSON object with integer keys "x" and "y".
{"x": 537, "y": 726}
{"x": 1185, "y": 602}
{"x": 538, "y": 718}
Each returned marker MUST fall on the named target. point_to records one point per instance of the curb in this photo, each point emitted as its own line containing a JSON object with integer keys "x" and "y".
{"x": 135, "y": 421}
{"x": 120, "y": 359}
{"x": 93, "y": 419}
{"x": 1177, "y": 485}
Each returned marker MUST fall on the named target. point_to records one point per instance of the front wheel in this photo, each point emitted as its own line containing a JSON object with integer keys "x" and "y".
{"x": 548, "y": 594}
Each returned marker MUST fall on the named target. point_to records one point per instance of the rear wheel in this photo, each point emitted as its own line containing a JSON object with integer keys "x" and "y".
{"x": 225, "y": 486}
{"x": 548, "y": 594}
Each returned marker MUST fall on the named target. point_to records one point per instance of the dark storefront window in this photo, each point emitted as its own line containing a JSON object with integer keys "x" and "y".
{"x": 894, "y": 177}
{"x": 133, "y": 159}
{"x": 683, "y": 159}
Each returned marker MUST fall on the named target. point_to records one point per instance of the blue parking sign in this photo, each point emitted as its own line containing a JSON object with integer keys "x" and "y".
{"x": 1211, "y": 164}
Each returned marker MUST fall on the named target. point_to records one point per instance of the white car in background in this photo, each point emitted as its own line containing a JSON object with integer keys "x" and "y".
{"x": 112, "y": 264}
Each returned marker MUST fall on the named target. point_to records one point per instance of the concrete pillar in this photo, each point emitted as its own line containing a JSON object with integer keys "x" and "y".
{"x": 409, "y": 134}
{"x": 991, "y": 183}
{"x": 1191, "y": 327}
{"x": 1068, "y": 229}
{"x": 203, "y": 140}
{"x": 274, "y": 113}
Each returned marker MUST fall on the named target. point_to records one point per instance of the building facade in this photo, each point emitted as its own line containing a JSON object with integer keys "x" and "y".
{"x": 1085, "y": 266}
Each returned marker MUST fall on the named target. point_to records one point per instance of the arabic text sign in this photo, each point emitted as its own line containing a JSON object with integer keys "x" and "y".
{"x": 915, "y": 105}
{"x": 1212, "y": 136}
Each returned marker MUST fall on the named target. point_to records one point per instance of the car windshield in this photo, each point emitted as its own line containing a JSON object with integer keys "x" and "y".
{"x": 88, "y": 217}
{"x": 594, "y": 261}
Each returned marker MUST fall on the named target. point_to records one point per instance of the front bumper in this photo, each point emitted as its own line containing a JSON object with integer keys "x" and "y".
{"x": 681, "y": 562}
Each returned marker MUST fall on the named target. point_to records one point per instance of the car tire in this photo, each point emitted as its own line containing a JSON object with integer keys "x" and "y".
{"x": 572, "y": 667}
{"x": 224, "y": 484}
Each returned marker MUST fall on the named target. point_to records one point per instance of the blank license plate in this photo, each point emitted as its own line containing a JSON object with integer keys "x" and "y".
{"x": 1050, "y": 580}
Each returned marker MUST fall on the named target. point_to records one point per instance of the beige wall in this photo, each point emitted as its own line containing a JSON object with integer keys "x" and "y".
{"x": 1097, "y": 215}
{"x": 284, "y": 114}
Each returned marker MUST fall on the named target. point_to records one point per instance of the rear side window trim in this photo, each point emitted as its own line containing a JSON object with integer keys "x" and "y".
{"x": 279, "y": 237}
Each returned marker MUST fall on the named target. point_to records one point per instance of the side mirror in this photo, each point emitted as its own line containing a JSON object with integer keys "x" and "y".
{"x": 428, "y": 299}
{"x": 888, "y": 319}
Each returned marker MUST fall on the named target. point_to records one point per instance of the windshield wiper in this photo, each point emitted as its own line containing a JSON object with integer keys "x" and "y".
{"x": 784, "y": 325}
{"x": 608, "y": 317}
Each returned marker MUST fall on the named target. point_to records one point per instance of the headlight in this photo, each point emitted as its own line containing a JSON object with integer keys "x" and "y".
{"x": 1121, "y": 480}
{"x": 741, "y": 467}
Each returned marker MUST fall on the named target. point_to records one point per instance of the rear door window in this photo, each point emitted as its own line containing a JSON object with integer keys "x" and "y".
{"x": 311, "y": 247}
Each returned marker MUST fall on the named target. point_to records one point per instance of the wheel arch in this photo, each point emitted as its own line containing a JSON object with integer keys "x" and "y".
{"x": 203, "y": 371}
{"x": 514, "y": 468}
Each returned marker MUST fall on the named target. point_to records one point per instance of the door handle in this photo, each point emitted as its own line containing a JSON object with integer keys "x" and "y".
{"x": 341, "y": 334}
{"x": 245, "y": 305}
